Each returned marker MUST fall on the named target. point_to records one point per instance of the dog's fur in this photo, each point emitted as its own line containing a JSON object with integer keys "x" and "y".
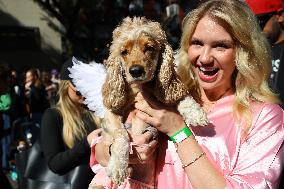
{"x": 139, "y": 55}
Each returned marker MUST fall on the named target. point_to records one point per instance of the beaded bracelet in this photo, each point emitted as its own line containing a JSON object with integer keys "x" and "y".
{"x": 197, "y": 158}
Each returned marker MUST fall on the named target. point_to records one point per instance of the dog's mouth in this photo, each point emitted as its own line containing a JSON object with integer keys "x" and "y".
{"x": 139, "y": 81}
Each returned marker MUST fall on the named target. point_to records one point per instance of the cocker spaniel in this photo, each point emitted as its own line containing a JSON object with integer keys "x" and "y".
{"x": 140, "y": 55}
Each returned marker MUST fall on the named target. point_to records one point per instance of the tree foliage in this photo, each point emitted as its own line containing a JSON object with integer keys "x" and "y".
{"x": 86, "y": 24}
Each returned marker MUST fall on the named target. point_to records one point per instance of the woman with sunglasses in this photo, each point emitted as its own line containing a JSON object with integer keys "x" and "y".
{"x": 66, "y": 132}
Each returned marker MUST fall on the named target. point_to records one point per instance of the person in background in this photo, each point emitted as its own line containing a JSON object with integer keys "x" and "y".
{"x": 5, "y": 81}
{"x": 36, "y": 98}
{"x": 18, "y": 110}
{"x": 55, "y": 76}
{"x": 66, "y": 132}
{"x": 172, "y": 23}
{"x": 270, "y": 14}
{"x": 5, "y": 104}
{"x": 226, "y": 59}
{"x": 50, "y": 87}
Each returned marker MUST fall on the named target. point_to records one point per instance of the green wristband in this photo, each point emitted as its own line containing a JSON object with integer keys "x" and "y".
{"x": 181, "y": 135}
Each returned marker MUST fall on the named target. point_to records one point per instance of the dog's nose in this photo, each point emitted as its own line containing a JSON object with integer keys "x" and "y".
{"x": 136, "y": 71}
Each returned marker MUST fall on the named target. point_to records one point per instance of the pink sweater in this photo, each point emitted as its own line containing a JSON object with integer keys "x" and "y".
{"x": 254, "y": 162}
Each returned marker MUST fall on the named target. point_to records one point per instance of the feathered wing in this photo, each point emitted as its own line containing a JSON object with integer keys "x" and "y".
{"x": 89, "y": 79}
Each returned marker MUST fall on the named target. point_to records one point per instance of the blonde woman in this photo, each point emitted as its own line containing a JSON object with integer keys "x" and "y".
{"x": 242, "y": 146}
{"x": 66, "y": 131}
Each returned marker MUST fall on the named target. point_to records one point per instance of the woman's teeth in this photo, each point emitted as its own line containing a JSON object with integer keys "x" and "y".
{"x": 209, "y": 71}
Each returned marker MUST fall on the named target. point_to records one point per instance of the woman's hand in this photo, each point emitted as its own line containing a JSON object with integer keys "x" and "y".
{"x": 28, "y": 85}
{"x": 143, "y": 147}
{"x": 28, "y": 88}
{"x": 94, "y": 134}
{"x": 165, "y": 119}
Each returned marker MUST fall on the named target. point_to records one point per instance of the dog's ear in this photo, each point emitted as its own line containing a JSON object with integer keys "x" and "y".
{"x": 114, "y": 88}
{"x": 168, "y": 88}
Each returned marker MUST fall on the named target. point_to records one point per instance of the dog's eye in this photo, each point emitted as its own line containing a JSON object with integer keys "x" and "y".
{"x": 149, "y": 48}
{"x": 124, "y": 52}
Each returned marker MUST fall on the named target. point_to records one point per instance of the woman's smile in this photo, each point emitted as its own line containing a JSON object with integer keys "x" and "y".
{"x": 208, "y": 74}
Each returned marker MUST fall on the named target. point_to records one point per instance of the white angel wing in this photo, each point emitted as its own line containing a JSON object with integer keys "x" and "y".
{"x": 89, "y": 79}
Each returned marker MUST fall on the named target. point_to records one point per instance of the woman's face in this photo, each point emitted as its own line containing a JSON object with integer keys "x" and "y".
{"x": 212, "y": 53}
{"x": 29, "y": 77}
{"x": 75, "y": 95}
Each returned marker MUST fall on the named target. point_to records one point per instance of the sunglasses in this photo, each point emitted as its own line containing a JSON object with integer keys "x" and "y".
{"x": 263, "y": 19}
{"x": 77, "y": 92}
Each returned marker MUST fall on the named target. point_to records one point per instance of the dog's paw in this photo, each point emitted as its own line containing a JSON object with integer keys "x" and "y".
{"x": 192, "y": 112}
{"x": 118, "y": 163}
{"x": 117, "y": 174}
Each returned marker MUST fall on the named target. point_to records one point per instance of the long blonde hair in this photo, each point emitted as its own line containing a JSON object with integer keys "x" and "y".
{"x": 73, "y": 125}
{"x": 253, "y": 56}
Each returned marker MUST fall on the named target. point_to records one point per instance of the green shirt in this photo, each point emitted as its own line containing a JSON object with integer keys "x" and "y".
{"x": 5, "y": 102}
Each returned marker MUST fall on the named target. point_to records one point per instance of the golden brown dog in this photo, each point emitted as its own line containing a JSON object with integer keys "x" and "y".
{"x": 139, "y": 55}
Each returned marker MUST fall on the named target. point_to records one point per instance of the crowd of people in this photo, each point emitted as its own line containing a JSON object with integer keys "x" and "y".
{"x": 230, "y": 52}
{"x": 24, "y": 97}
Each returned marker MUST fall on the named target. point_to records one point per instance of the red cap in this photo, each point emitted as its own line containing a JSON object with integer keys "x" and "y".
{"x": 265, "y": 6}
